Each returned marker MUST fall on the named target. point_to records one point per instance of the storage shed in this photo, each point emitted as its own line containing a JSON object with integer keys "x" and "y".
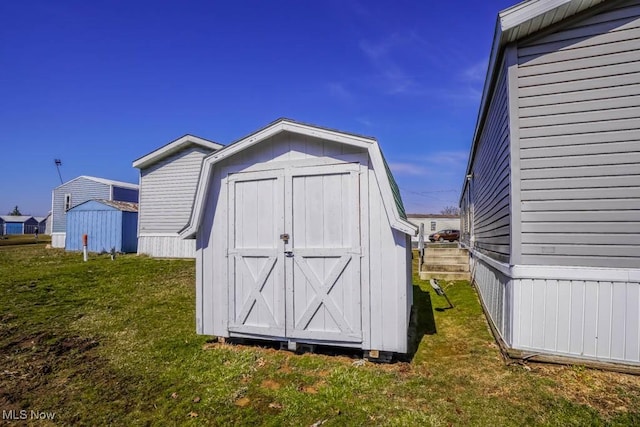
{"x": 168, "y": 180}
{"x": 108, "y": 224}
{"x": 80, "y": 190}
{"x": 301, "y": 236}
{"x": 18, "y": 224}
{"x": 44, "y": 223}
{"x": 551, "y": 198}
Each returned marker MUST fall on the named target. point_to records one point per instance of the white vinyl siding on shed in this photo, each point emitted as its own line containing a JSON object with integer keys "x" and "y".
{"x": 385, "y": 309}
{"x": 278, "y": 150}
{"x": 167, "y": 191}
{"x": 490, "y": 183}
{"x": 579, "y": 109}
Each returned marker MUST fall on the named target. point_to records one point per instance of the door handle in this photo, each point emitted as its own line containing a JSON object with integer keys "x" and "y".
{"x": 288, "y": 254}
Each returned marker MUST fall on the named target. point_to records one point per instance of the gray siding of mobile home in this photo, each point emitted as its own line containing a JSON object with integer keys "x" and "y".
{"x": 571, "y": 285}
{"x": 579, "y": 108}
{"x": 125, "y": 194}
{"x": 81, "y": 190}
{"x": 166, "y": 198}
{"x": 490, "y": 182}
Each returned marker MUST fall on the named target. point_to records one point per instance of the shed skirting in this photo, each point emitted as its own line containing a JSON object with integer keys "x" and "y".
{"x": 576, "y": 312}
{"x": 166, "y": 246}
{"x": 58, "y": 240}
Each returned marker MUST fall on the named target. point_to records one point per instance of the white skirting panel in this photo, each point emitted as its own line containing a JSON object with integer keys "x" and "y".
{"x": 577, "y": 312}
{"x": 166, "y": 246}
{"x": 583, "y": 318}
{"x": 493, "y": 287}
{"x": 58, "y": 240}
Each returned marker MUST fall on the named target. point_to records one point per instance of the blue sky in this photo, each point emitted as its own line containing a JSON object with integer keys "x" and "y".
{"x": 98, "y": 84}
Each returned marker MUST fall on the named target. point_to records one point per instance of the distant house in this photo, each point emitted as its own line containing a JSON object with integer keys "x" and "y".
{"x": 108, "y": 225}
{"x": 168, "y": 180}
{"x": 80, "y": 190}
{"x": 17, "y": 224}
{"x": 433, "y": 223}
{"x": 551, "y": 198}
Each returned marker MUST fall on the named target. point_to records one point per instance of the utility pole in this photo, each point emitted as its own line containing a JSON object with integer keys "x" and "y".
{"x": 58, "y": 163}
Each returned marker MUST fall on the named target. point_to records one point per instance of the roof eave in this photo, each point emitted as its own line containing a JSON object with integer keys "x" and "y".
{"x": 287, "y": 125}
{"x": 495, "y": 47}
{"x": 104, "y": 181}
{"x": 172, "y": 148}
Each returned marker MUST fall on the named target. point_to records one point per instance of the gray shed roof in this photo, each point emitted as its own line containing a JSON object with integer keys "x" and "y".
{"x": 287, "y": 120}
{"x": 122, "y": 206}
{"x": 397, "y": 197}
{"x": 15, "y": 218}
{"x": 105, "y": 181}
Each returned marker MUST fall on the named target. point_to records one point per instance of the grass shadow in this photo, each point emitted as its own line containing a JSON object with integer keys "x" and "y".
{"x": 422, "y": 322}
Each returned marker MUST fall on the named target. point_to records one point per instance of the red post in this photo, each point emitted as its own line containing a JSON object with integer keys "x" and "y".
{"x": 85, "y": 251}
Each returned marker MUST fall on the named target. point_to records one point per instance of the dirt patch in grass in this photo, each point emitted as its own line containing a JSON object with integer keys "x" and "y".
{"x": 35, "y": 363}
{"x": 271, "y": 385}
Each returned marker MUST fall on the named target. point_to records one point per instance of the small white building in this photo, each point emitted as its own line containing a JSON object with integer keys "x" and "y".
{"x": 168, "y": 179}
{"x": 551, "y": 197}
{"x": 433, "y": 223}
{"x": 301, "y": 236}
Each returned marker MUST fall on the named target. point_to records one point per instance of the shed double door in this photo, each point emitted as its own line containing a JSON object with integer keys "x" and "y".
{"x": 294, "y": 253}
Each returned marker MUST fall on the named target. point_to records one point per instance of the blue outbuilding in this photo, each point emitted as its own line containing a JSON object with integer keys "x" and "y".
{"x": 107, "y": 223}
{"x": 17, "y": 224}
{"x": 79, "y": 190}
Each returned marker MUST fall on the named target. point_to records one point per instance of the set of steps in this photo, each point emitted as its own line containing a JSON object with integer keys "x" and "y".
{"x": 445, "y": 263}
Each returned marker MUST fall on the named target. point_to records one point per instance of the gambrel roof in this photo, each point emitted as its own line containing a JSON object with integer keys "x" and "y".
{"x": 387, "y": 184}
{"x": 172, "y": 148}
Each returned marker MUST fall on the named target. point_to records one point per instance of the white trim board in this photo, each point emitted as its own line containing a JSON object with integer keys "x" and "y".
{"x": 174, "y": 147}
{"x": 554, "y": 272}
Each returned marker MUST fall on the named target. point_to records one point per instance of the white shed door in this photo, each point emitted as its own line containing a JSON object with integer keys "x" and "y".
{"x": 323, "y": 275}
{"x": 306, "y": 286}
{"x": 256, "y": 257}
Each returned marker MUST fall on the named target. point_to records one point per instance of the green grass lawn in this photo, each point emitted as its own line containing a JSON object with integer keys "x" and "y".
{"x": 24, "y": 239}
{"x": 113, "y": 342}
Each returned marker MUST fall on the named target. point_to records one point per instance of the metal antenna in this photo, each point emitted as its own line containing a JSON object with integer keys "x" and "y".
{"x": 58, "y": 163}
